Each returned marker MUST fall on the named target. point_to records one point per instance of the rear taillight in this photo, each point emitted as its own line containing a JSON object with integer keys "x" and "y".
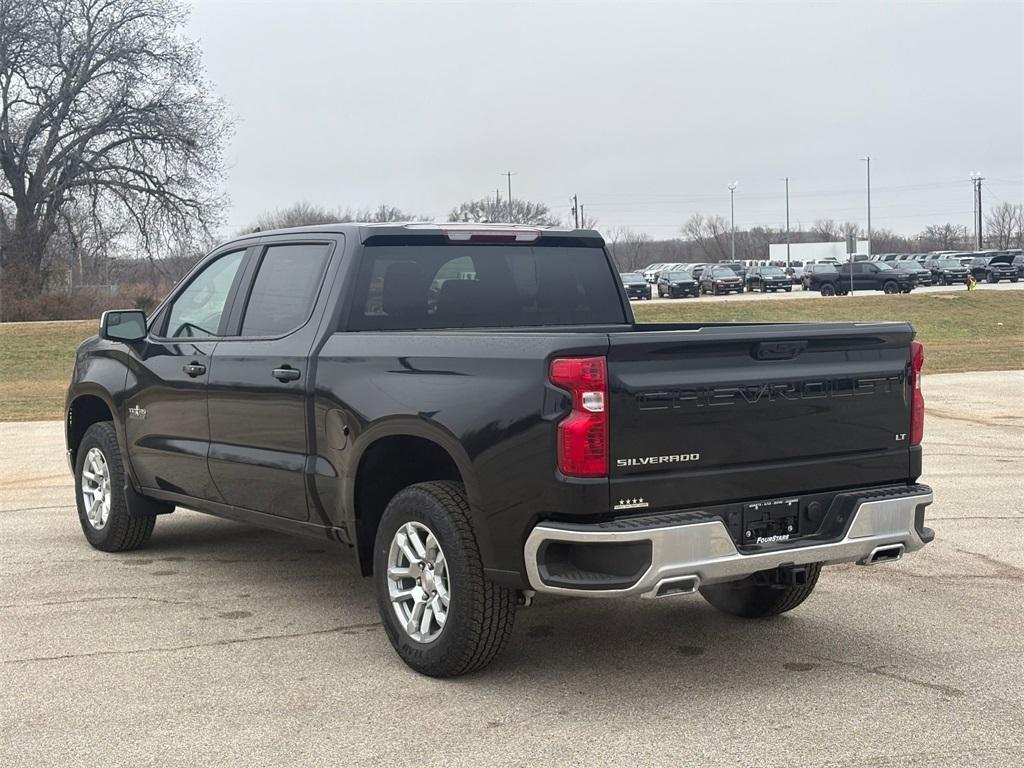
{"x": 917, "y": 397}
{"x": 583, "y": 434}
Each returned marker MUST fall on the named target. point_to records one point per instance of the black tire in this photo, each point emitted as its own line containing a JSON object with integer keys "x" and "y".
{"x": 828, "y": 289}
{"x": 131, "y": 518}
{"x": 1013, "y": 279}
{"x": 788, "y": 290}
{"x": 480, "y": 615}
{"x": 993, "y": 279}
{"x": 891, "y": 286}
{"x": 753, "y": 601}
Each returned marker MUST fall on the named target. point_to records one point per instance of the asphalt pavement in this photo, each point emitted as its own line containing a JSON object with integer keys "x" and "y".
{"x": 222, "y": 644}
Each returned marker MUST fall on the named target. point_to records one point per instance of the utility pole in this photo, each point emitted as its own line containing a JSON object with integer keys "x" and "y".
{"x": 575, "y": 211}
{"x": 868, "y": 161}
{"x": 787, "y": 222}
{"x": 732, "y": 216}
{"x": 509, "y": 175}
{"x": 977, "y": 178}
{"x": 583, "y": 219}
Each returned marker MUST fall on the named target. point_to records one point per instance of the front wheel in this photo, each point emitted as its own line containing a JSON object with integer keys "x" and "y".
{"x": 891, "y": 287}
{"x": 753, "y": 598}
{"x": 828, "y": 290}
{"x": 113, "y": 518}
{"x": 441, "y": 614}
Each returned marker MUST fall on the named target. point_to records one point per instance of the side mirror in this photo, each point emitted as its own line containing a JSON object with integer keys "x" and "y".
{"x": 123, "y": 325}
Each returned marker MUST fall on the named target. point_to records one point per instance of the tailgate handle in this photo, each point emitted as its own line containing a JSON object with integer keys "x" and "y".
{"x": 779, "y": 350}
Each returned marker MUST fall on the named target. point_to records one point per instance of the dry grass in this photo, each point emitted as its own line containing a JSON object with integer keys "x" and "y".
{"x": 979, "y": 331}
{"x": 962, "y": 331}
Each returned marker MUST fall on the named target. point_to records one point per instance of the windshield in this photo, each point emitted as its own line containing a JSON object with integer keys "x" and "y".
{"x": 635, "y": 277}
{"x": 771, "y": 271}
{"x": 822, "y": 267}
{"x": 909, "y": 266}
{"x": 722, "y": 272}
{"x": 679, "y": 276}
{"x": 884, "y": 266}
{"x": 409, "y": 287}
{"x": 950, "y": 264}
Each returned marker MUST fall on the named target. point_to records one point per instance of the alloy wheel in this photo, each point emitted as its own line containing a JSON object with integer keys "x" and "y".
{"x": 418, "y": 584}
{"x": 96, "y": 488}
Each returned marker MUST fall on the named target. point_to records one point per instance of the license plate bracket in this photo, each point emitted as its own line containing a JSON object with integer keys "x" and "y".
{"x": 770, "y": 522}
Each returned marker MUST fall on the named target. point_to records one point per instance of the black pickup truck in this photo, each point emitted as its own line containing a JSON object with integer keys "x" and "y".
{"x": 473, "y": 411}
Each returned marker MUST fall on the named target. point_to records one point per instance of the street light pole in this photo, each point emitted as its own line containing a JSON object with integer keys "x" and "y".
{"x": 787, "y": 222}
{"x": 868, "y": 161}
{"x": 977, "y": 178}
{"x": 509, "y": 174}
{"x": 732, "y": 215}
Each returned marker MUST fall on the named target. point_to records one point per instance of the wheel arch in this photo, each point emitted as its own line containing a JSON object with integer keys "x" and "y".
{"x": 393, "y": 456}
{"x": 87, "y": 406}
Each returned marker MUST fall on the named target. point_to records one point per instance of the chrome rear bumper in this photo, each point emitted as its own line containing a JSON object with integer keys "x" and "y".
{"x": 683, "y": 557}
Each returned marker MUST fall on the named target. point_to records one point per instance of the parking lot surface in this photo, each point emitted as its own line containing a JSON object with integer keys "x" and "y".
{"x": 799, "y": 293}
{"x": 222, "y": 644}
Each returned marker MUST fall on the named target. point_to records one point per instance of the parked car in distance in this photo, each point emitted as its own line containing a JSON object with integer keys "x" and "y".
{"x": 921, "y": 275}
{"x": 768, "y": 279}
{"x": 736, "y": 266}
{"x": 1018, "y": 262}
{"x": 428, "y": 396}
{"x": 697, "y": 270}
{"x": 859, "y": 276}
{"x": 947, "y": 271}
{"x": 718, "y": 280}
{"x": 677, "y": 284}
{"x": 635, "y": 285}
{"x": 993, "y": 268}
{"x": 815, "y": 274}
{"x": 650, "y": 270}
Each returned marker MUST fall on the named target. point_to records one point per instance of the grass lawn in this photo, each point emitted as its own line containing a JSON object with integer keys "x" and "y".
{"x": 35, "y": 367}
{"x": 979, "y": 331}
{"x": 961, "y": 330}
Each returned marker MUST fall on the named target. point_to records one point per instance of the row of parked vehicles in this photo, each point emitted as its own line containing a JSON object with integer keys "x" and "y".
{"x": 889, "y": 273}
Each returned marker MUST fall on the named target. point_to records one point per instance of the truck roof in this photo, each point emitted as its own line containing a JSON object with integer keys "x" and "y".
{"x": 366, "y": 230}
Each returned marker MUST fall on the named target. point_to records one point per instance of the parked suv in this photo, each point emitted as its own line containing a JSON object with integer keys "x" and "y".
{"x": 635, "y": 285}
{"x": 921, "y": 275}
{"x": 768, "y": 278}
{"x": 677, "y": 284}
{"x": 993, "y": 268}
{"x": 947, "y": 271}
{"x": 717, "y": 280}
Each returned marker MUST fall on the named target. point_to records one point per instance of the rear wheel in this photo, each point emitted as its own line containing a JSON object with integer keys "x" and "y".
{"x": 441, "y": 614}
{"x": 752, "y": 598}
{"x": 113, "y": 518}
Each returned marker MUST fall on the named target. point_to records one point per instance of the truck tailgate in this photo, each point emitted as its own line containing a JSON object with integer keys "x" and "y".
{"x": 755, "y": 412}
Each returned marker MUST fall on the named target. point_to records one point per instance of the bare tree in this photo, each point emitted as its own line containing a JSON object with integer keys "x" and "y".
{"x": 826, "y": 230}
{"x": 304, "y": 214}
{"x": 491, "y": 209}
{"x": 629, "y": 248}
{"x": 1004, "y": 226}
{"x": 102, "y": 104}
{"x": 711, "y": 233}
{"x": 944, "y": 237}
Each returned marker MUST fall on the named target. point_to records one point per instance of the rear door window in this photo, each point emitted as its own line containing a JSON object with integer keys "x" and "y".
{"x": 407, "y": 287}
{"x": 285, "y": 288}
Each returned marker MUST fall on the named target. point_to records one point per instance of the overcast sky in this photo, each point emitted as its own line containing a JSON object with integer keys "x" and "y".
{"x": 646, "y": 111}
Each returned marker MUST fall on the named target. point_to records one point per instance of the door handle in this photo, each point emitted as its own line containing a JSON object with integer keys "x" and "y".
{"x": 194, "y": 369}
{"x": 286, "y": 373}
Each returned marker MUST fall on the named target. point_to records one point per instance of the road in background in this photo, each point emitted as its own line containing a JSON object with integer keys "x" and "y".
{"x": 222, "y": 644}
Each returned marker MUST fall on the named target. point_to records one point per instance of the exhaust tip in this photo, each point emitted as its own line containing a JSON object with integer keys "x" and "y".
{"x": 677, "y": 585}
{"x": 889, "y": 553}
